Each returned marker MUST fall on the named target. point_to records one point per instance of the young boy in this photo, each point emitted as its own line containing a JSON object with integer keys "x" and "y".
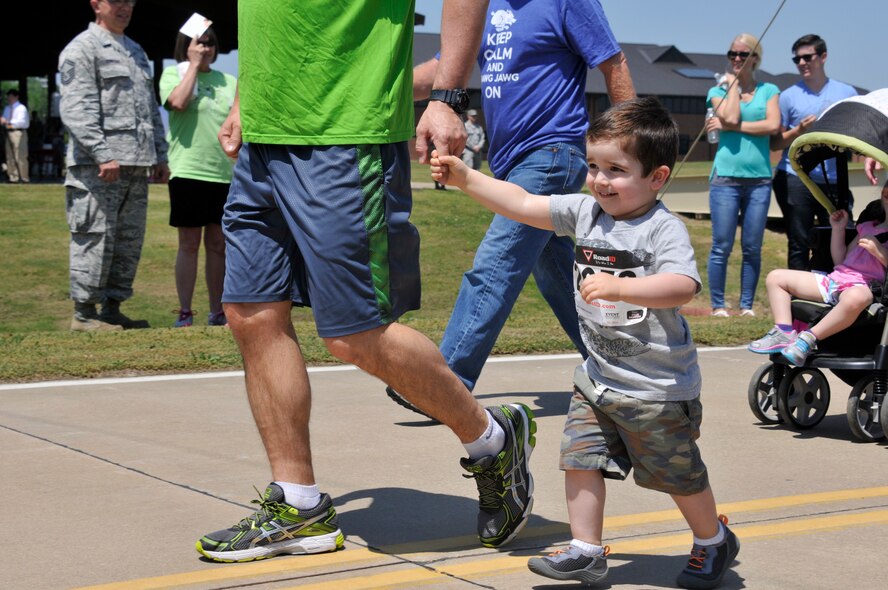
{"x": 636, "y": 400}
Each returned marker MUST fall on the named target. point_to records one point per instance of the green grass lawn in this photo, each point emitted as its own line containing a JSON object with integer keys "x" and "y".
{"x": 35, "y": 311}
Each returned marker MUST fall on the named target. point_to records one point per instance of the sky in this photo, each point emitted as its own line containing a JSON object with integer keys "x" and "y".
{"x": 855, "y": 39}
{"x": 855, "y": 30}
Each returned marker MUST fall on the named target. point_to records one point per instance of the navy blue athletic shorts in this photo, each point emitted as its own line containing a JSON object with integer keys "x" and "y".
{"x": 196, "y": 203}
{"x": 326, "y": 227}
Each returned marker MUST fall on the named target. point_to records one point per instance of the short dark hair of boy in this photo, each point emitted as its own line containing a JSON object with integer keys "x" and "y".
{"x": 643, "y": 128}
{"x": 12, "y": 92}
{"x": 813, "y": 40}
{"x": 180, "y": 53}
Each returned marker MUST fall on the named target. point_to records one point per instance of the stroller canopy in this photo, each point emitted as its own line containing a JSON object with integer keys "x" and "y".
{"x": 858, "y": 124}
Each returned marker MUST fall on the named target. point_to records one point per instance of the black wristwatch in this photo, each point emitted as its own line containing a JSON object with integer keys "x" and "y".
{"x": 457, "y": 99}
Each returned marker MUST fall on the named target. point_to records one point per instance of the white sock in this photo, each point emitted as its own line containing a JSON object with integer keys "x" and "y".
{"x": 299, "y": 496}
{"x": 588, "y": 549}
{"x": 718, "y": 538}
{"x": 490, "y": 442}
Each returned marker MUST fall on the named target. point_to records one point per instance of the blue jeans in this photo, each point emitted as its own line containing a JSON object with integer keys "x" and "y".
{"x": 504, "y": 260}
{"x": 802, "y": 213}
{"x": 729, "y": 205}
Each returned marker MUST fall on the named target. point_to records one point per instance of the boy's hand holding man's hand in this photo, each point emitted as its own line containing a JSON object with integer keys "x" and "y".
{"x": 449, "y": 170}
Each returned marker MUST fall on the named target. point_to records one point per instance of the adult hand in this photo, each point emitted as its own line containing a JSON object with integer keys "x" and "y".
{"x": 451, "y": 168}
{"x": 196, "y": 52}
{"x": 601, "y": 285}
{"x": 806, "y": 122}
{"x": 161, "y": 172}
{"x": 871, "y": 166}
{"x": 109, "y": 171}
{"x": 713, "y": 123}
{"x": 230, "y": 133}
{"x": 441, "y": 127}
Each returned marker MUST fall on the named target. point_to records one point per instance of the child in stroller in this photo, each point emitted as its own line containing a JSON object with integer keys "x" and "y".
{"x": 792, "y": 388}
{"x": 846, "y": 288}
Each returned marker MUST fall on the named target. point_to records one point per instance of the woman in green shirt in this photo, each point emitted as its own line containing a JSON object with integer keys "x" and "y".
{"x": 198, "y": 99}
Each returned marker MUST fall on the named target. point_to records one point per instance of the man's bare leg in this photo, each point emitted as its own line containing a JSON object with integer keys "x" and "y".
{"x": 277, "y": 385}
{"x": 409, "y": 362}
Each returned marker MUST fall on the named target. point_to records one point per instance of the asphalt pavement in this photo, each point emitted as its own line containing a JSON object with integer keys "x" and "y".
{"x": 109, "y": 483}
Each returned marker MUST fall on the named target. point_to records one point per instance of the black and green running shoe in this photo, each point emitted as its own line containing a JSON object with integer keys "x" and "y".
{"x": 275, "y": 528}
{"x": 505, "y": 485}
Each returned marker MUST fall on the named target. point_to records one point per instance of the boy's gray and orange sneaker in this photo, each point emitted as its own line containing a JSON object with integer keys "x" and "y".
{"x": 708, "y": 564}
{"x": 774, "y": 341}
{"x": 571, "y": 564}
{"x": 274, "y": 529}
{"x": 505, "y": 484}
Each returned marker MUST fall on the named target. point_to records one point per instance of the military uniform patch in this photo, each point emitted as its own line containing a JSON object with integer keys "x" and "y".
{"x": 67, "y": 72}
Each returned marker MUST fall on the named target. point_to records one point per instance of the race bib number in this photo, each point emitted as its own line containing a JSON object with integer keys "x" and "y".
{"x": 589, "y": 261}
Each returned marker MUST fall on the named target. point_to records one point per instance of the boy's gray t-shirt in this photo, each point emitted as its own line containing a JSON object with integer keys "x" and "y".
{"x": 642, "y": 352}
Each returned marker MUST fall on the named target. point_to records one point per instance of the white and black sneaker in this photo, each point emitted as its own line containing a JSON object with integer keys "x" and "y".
{"x": 275, "y": 528}
{"x": 571, "y": 564}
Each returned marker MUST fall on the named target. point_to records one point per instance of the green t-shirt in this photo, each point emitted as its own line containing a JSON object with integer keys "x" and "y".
{"x": 336, "y": 72}
{"x": 741, "y": 155}
{"x": 194, "y": 149}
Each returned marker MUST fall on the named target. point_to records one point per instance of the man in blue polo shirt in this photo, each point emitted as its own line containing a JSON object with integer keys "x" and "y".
{"x": 534, "y": 58}
{"x": 800, "y": 105}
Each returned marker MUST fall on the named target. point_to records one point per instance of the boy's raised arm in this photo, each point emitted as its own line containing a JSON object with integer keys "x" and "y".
{"x": 501, "y": 197}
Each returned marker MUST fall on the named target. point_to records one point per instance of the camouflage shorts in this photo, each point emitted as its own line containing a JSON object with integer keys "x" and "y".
{"x": 615, "y": 433}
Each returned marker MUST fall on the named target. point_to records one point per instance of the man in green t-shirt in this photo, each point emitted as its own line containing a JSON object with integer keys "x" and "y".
{"x": 318, "y": 214}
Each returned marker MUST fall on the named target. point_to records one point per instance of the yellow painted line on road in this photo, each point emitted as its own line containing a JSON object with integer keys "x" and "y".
{"x": 233, "y": 571}
{"x": 503, "y": 565}
{"x": 627, "y": 520}
{"x": 352, "y": 555}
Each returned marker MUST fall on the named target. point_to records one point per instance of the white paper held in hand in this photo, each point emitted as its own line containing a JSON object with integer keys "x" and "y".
{"x": 196, "y": 26}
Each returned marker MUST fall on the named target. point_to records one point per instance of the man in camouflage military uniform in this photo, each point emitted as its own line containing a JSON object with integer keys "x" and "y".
{"x": 116, "y": 134}
{"x": 471, "y": 155}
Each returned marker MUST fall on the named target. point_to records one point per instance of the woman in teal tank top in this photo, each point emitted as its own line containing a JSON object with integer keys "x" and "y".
{"x": 747, "y": 113}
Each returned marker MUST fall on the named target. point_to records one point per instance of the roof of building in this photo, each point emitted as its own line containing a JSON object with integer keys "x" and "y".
{"x": 662, "y": 70}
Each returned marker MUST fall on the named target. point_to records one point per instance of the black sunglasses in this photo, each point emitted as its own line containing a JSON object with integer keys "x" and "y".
{"x": 207, "y": 43}
{"x": 740, "y": 54}
{"x": 807, "y": 58}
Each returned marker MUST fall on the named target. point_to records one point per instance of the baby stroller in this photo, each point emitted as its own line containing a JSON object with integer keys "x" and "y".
{"x": 799, "y": 396}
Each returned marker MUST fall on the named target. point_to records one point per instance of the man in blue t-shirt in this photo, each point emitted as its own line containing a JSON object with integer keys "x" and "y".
{"x": 800, "y": 105}
{"x": 534, "y": 59}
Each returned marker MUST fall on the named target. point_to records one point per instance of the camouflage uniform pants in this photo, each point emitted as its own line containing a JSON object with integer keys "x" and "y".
{"x": 616, "y": 433}
{"x": 107, "y": 223}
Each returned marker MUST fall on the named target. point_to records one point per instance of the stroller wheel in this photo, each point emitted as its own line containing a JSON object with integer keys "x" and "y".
{"x": 762, "y": 395}
{"x": 803, "y": 397}
{"x": 863, "y": 409}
